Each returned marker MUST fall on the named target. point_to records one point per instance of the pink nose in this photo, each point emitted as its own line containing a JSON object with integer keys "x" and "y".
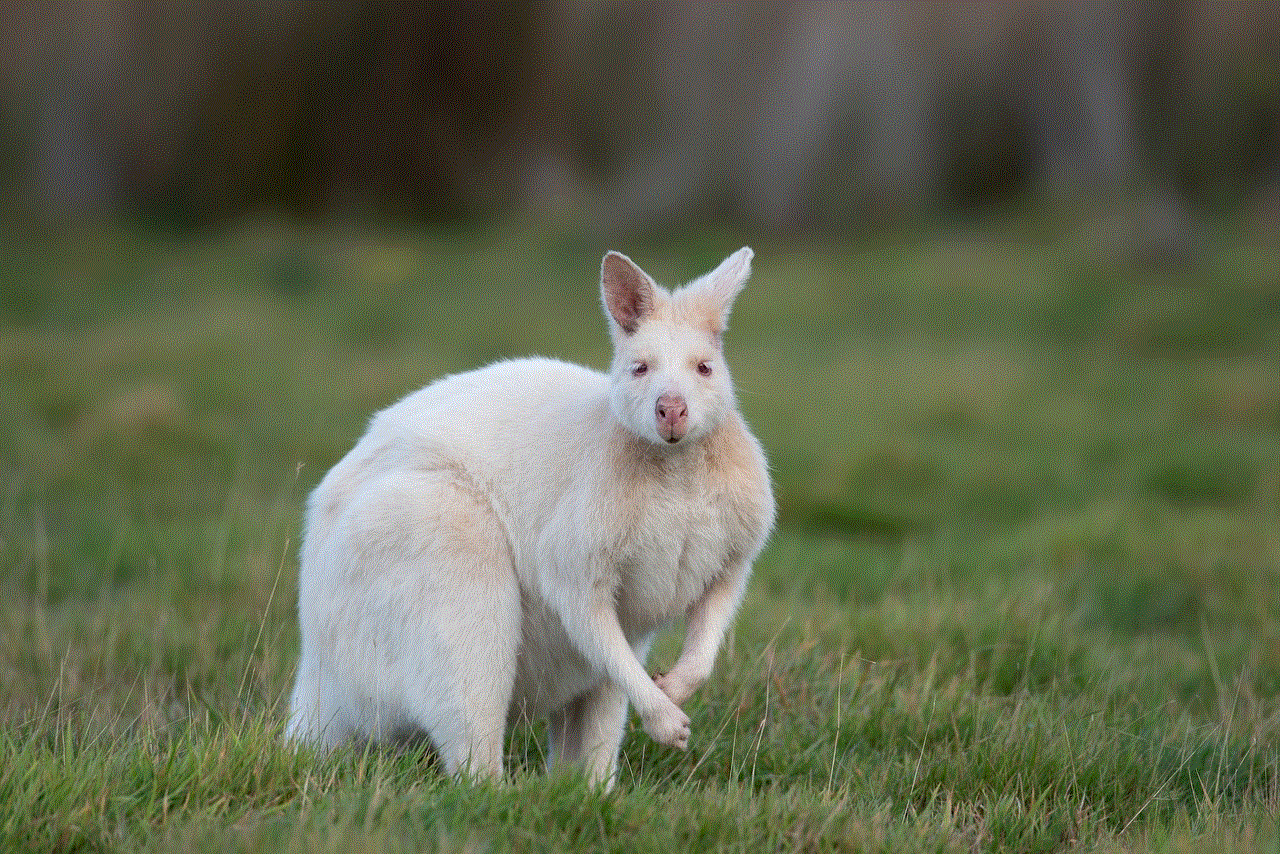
{"x": 672, "y": 415}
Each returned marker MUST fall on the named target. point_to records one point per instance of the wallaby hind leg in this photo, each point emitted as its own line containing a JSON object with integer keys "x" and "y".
{"x": 588, "y": 732}
{"x": 446, "y": 590}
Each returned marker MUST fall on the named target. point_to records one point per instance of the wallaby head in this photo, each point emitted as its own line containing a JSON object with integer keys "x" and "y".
{"x": 670, "y": 383}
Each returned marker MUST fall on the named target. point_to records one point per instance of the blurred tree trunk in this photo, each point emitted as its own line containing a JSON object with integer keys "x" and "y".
{"x": 783, "y": 115}
{"x": 75, "y": 155}
{"x": 1083, "y": 109}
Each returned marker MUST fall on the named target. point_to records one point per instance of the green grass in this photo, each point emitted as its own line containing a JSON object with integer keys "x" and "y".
{"x": 1022, "y": 597}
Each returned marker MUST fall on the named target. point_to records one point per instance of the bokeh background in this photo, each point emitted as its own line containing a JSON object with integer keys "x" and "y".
{"x": 783, "y": 116}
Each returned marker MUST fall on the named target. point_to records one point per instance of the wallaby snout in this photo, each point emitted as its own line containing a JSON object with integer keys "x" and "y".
{"x": 672, "y": 415}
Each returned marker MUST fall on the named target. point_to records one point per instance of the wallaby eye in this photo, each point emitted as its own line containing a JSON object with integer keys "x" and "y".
{"x": 639, "y": 369}
{"x": 704, "y": 368}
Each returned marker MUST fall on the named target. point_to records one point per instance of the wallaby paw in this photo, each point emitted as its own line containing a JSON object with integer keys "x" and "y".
{"x": 668, "y": 725}
{"x": 676, "y": 686}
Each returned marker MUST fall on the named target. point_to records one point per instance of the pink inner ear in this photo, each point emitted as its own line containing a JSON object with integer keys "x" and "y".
{"x": 628, "y": 295}
{"x": 631, "y": 307}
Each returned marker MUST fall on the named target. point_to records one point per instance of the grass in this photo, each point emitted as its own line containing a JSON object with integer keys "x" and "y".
{"x": 1022, "y": 596}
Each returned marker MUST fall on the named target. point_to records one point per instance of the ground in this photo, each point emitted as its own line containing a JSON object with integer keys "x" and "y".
{"x": 1022, "y": 595}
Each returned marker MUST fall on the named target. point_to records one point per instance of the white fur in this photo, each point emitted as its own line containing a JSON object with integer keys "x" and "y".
{"x": 506, "y": 542}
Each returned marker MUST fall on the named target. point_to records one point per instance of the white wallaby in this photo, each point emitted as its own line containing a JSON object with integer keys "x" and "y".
{"x": 506, "y": 542}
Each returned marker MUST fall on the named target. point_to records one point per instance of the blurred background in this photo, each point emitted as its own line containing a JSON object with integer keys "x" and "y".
{"x": 791, "y": 117}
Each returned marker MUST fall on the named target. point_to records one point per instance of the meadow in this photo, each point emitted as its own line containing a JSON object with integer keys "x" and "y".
{"x": 1024, "y": 594}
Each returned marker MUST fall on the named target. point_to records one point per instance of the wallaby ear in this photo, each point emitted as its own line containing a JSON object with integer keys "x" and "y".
{"x": 628, "y": 293}
{"x": 723, "y": 284}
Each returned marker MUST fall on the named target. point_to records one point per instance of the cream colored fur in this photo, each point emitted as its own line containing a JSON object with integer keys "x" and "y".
{"x": 506, "y": 542}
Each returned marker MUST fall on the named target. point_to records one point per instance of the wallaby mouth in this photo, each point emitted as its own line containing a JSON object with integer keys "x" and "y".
{"x": 671, "y": 434}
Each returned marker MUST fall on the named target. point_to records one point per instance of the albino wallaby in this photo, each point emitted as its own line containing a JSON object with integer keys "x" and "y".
{"x": 507, "y": 541}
